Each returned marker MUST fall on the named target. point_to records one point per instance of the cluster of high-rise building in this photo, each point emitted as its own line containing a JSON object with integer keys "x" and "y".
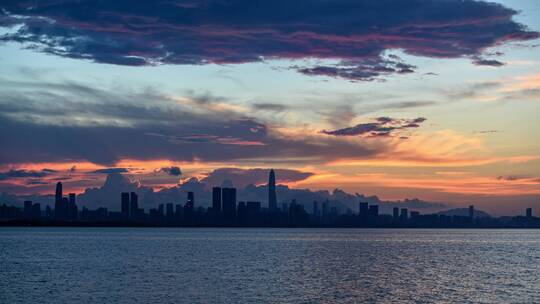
{"x": 65, "y": 208}
{"x": 129, "y": 206}
{"x": 225, "y": 210}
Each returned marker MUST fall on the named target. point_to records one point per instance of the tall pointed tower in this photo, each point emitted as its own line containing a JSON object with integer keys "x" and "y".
{"x": 58, "y": 193}
{"x": 59, "y": 208}
{"x": 272, "y": 200}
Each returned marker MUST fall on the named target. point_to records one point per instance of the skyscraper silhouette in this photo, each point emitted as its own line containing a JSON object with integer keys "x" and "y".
{"x": 58, "y": 201}
{"x": 190, "y": 199}
{"x": 216, "y": 198}
{"x": 272, "y": 200}
{"x": 133, "y": 205}
{"x": 170, "y": 213}
{"x": 64, "y": 208}
{"x": 72, "y": 210}
{"x": 58, "y": 194}
{"x": 229, "y": 204}
{"x": 325, "y": 208}
{"x": 404, "y": 216}
{"x": 373, "y": 212}
{"x": 316, "y": 211}
{"x": 188, "y": 208}
{"x": 363, "y": 210}
{"x": 125, "y": 205}
{"x": 36, "y": 211}
{"x": 27, "y": 211}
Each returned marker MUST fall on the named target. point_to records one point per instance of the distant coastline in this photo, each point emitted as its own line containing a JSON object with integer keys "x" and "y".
{"x": 41, "y": 223}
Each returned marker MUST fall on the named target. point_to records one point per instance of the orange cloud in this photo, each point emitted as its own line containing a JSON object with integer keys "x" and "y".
{"x": 473, "y": 185}
{"x": 430, "y": 162}
{"x": 445, "y": 148}
{"x": 520, "y": 83}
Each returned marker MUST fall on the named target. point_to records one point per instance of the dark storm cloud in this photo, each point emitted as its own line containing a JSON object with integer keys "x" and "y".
{"x": 54, "y": 103}
{"x": 37, "y": 182}
{"x": 29, "y": 142}
{"x": 382, "y": 126}
{"x": 22, "y": 173}
{"x": 174, "y": 171}
{"x": 358, "y": 33}
{"x": 488, "y": 62}
{"x": 58, "y": 122}
{"x": 104, "y": 144}
{"x": 365, "y": 70}
{"x": 243, "y": 177}
{"x": 111, "y": 170}
{"x": 61, "y": 178}
{"x": 275, "y": 107}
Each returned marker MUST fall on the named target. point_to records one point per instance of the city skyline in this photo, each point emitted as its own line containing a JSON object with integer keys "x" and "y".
{"x": 226, "y": 210}
{"x": 433, "y": 101}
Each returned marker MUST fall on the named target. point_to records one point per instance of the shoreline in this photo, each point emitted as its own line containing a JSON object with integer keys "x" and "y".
{"x": 22, "y": 223}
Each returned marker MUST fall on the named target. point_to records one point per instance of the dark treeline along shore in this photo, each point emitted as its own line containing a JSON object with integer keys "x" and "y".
{"x": 225, "y": 211}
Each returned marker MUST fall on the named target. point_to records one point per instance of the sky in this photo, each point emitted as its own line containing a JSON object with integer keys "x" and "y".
{"x": 437, "y": 100}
